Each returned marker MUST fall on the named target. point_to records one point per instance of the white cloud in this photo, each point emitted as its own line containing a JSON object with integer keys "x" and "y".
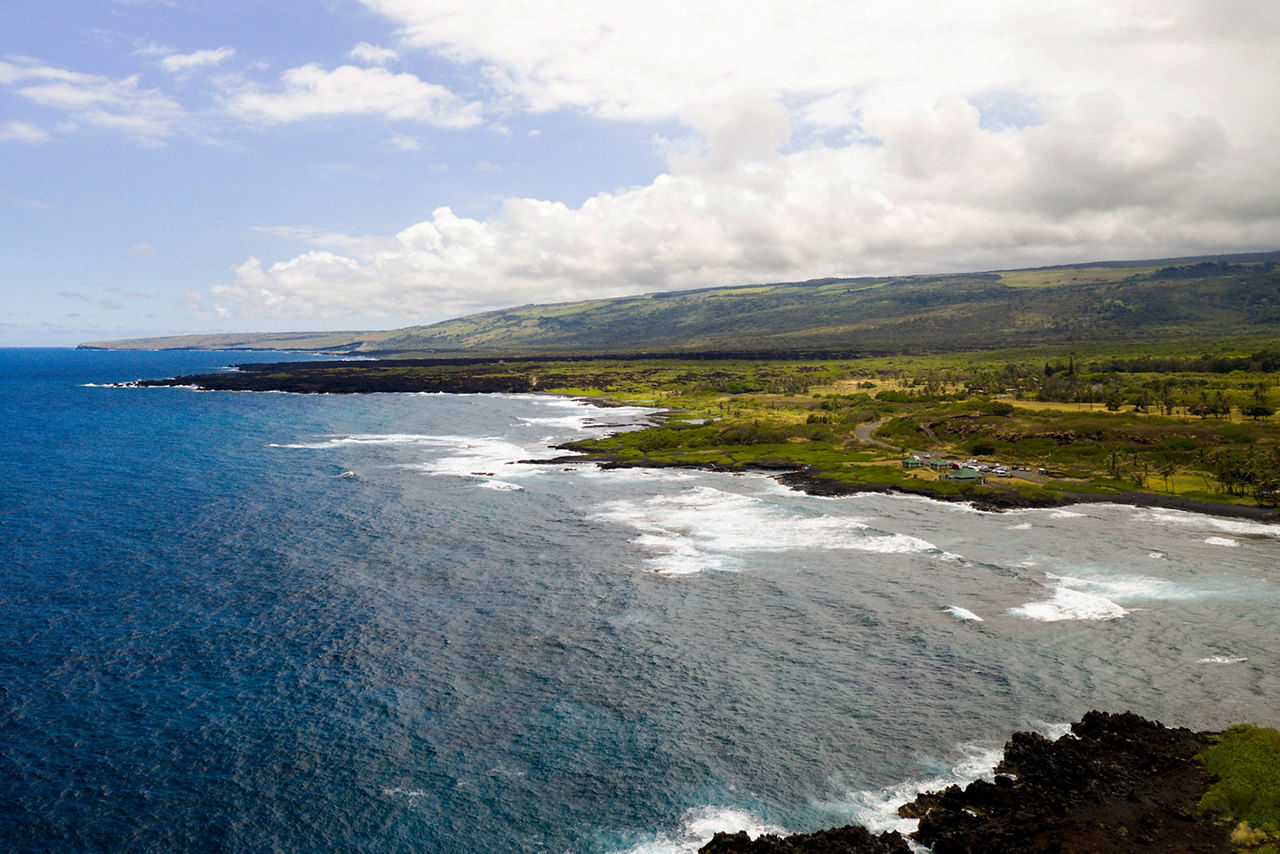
{"x": 372, "y": 55}
{"x": 183, "y": 62}
{"x": 22, "y": 132}
{"x": 830, "y": 138}
{"x": 311, "y": 92}
{"x": 143, "y": 250}
{"x": 92, "y": 99}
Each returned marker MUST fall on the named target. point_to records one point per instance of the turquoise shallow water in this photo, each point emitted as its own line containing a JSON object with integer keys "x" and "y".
{"x": 254, "y": 621}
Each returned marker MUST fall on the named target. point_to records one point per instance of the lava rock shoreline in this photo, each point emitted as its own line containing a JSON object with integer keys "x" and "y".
{"x": 483, "y": 376}
{"x": 1117, "y": 783}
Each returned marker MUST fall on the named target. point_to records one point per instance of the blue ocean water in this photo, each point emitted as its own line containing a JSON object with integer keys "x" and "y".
{"x": 270, "y": 621}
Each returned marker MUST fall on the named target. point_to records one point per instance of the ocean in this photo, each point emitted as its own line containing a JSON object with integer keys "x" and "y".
{"x": 237, "y": 621}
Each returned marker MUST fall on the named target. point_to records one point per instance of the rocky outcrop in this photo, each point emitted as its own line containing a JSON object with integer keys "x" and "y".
{"x": 1117, "y": 783}
{"x": 840, "y": 840}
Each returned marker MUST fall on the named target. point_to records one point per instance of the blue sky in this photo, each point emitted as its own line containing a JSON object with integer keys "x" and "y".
{"x": 170, "y": 167}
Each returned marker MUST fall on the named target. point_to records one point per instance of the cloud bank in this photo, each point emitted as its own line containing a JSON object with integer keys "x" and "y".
{"x": 832, "y": 138}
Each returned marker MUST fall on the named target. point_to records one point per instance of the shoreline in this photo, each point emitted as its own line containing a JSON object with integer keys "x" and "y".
{"x": 804, "y": 480}
{"x": 1116, "y": 783}
{"x": 795, "y": 476}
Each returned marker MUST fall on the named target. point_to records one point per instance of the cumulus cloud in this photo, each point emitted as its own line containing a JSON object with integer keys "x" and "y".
{"x": 117, "y": 103}
{"x": 831, "y": 138}
{"x": 311, "y": 92}
{"x": 372, "y": 54}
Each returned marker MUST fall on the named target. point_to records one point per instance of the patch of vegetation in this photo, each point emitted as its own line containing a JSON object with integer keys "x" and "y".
{"x": 1246, "y": 761}
{"x": 1048, "y": 418}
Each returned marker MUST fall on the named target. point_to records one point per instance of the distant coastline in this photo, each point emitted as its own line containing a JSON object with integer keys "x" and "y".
{"x": 484, "y": 376}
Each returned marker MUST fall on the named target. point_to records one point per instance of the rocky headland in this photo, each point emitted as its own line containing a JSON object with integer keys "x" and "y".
{"x": 1117, "y": 783}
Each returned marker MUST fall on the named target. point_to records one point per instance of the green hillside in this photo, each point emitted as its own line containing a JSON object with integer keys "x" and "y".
{"x": 1217, "y": 298}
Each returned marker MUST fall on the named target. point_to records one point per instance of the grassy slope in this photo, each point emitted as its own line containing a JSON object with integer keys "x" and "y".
{"x": 920, "y": 313}
{"x": 1081, "y": 305}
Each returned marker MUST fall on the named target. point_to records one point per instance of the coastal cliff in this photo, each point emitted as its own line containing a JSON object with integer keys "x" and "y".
{"x": 1118, "y": 783}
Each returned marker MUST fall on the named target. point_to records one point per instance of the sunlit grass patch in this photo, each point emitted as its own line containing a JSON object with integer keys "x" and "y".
{"x": 1246, "y": 761}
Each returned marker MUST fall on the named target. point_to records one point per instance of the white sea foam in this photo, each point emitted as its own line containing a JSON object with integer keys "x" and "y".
{"x": 699, "y": 826}
{"x": 707, "y": 528}
{"x": 877, "y": 809}
{"x": 1100, "y": 597}
{"x": 456, "y": 456}
{"x": 1052, "y": 731}
{"x": 1221, "y": 541}
{"x": 1021, "y": 526}
{"x": 501, "y": 485}
{"x": 1223, "y": 659}
{"x": 1183, "y": 518}
{"x": 329, "y": 442}
{"x": 571, "y": 422}
{"x": 1129, "y": 588}
{"x": 1068, "y": 604}
{"x": 962, "y": 614}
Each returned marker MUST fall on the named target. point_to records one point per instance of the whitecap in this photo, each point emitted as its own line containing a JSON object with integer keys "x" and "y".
{"x": 500, "y": 485}
{"x": 1221, "y": 541}
{"x": 877, "y": 809}
{"x": 1129, "y": 588}
{"x": 1021, "y": 526}
{"x": 1068, "y": 604}
{"x": 962, "y": 614}
{"x": 697, "y": 828}
{"x": 1101, "y": 597}
{"x": 339, "y": 441}
{"x": 573, "y": 422}
{"x": 1223, "y": 659}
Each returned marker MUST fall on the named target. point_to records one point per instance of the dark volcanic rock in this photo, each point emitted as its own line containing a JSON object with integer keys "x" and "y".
{"x": 1118, "y": 783}
{"x": 841, "y": 840}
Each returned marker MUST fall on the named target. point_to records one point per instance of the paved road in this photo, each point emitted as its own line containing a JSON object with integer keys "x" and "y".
{"x": 864, "y": 431}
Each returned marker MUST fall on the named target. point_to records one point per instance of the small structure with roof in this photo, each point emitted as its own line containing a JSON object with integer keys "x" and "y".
{"x": 965, "y": 475}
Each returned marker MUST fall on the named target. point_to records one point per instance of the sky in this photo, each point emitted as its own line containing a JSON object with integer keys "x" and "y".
{"x": 187, "y": 166}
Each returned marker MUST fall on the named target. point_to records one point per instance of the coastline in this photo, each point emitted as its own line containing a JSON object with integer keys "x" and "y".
{"x": 811, "y": 482}
{"x": 806, "y": 480}
{"x": 1117, "y": 783}
{"x": 491, "y": 378}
